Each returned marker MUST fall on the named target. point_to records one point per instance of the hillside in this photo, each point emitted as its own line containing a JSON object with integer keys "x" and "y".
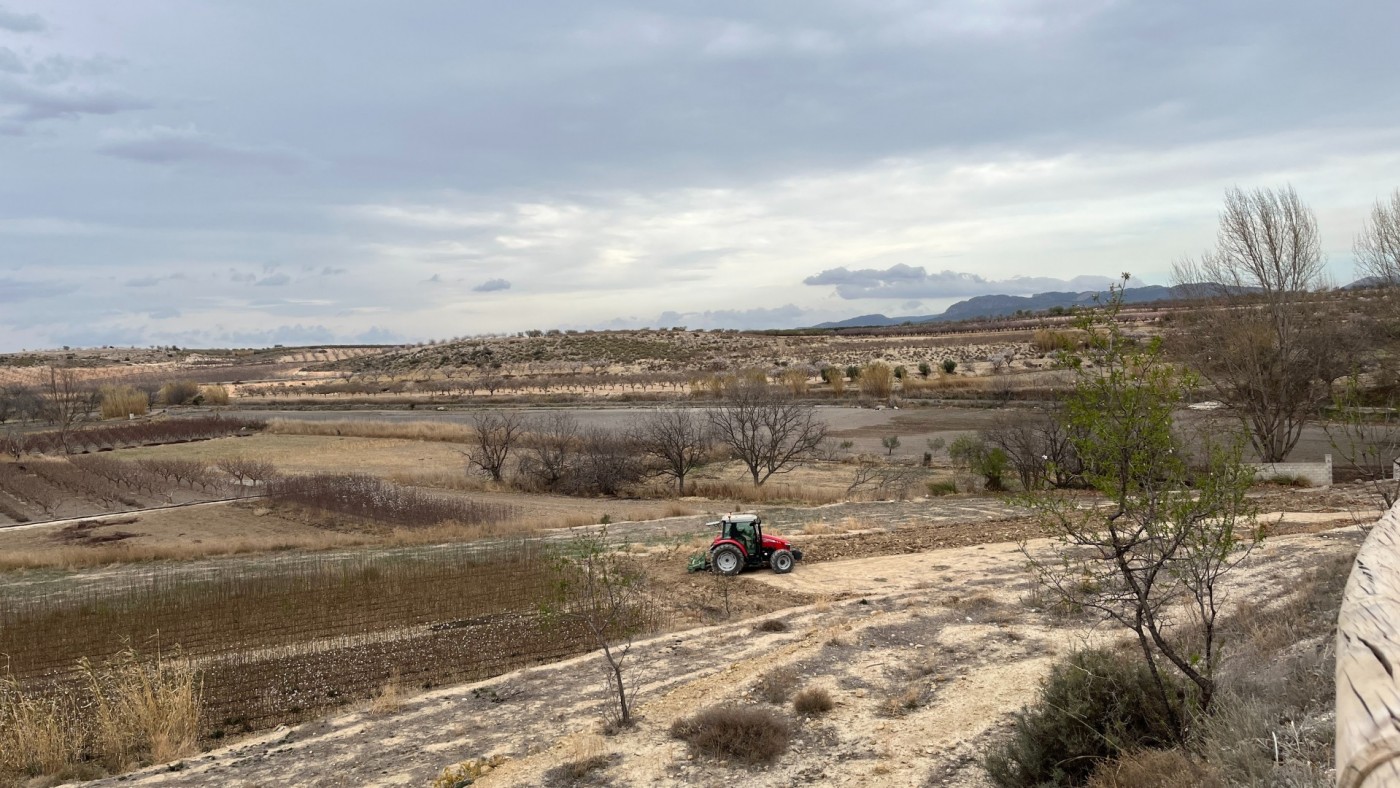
{"x": 1000, "y": 305}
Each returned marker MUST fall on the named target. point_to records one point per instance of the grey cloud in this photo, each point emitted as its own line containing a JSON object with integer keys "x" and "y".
{"x": 913, "y": 282}
{"x": 167, "y": 145}
{"x": 329, "y": 271}
{"x": 1022, "y": 136}
{"x": 491, "y": 285}
{"x": 164, "y": 313}
{"x": 10, "y": 62}
{"x": 298, "y": 334}
{"x": 786, "y": 316}
{"x": 241, "y": 277}
{"x": 14, "y": 291}
{"x": 62, "y": 68}
{"x": 143, "y": 281}
{"x": 27, "y": 104}
{"x": 276, "y": 280}
{"x": 21, "y": 23}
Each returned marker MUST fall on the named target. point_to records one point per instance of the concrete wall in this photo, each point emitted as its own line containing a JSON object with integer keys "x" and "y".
{"x": 1318, "y": 474}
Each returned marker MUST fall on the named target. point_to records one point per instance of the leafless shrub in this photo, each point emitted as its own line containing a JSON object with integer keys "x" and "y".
{"x": 746, "y": 734}
{"x": 882, "y": 480}
{"x": 140, "y": 433}
{"x": 372, "y": 498}
{"x": 67, "y": 476}
{"x": 248, "y": 470}
{"x": 28, "y": 488}
{"x": 178, "y": 392}
{"x": 813, "y": 701}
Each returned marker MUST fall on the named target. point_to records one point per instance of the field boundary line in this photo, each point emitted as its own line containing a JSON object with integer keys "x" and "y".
{"x": 99, "y": 517}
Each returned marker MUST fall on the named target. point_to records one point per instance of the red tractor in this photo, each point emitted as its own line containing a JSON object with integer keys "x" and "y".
{"x": 741, "y": 545}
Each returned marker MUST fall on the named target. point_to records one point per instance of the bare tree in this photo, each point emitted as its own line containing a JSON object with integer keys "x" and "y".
{"x": 603, "y": 594}
{"x": 770, "y": 432}
{"x": 497, "y": 433}
{"x": 1367, "y": 440}
{"x": 1266, "y": 348}
{"x": 64, "y": 401}
{"x": 248, "y": 471}
{"x": 1377, "y": 248}
{"x": 550, "y": 449}
{"x": 16, "y": 402}
{"x": 607, "y": 462}
{"x": 677, "y": 440}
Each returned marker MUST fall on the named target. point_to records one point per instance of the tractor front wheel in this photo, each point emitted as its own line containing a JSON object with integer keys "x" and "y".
{"x": 781, "y": 561}
{"x": 727, "y": 560}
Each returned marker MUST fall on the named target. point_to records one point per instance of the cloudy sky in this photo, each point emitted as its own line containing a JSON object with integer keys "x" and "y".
{"x": 262, "y": 171}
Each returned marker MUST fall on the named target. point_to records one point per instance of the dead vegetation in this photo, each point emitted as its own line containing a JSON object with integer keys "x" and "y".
{"x": 127, "y": 711}
{"x": 745, "y": 734}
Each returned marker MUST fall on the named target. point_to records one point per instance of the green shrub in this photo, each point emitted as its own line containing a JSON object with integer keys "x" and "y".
{"x": 976, "y": 456}
{"x": 939, "y": 489}
{"x": 1096, "y": 705}
{"x": 949, "y": 365}
{"x": 924, "y": 369}
{"x": 748, "y": 734}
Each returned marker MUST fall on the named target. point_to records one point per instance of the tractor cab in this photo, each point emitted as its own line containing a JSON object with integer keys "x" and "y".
{"x": 742, "y": 544}
{"x": 748, "y": 533}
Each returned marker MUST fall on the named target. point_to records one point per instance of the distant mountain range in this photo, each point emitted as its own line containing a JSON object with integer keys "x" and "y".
{"x": 1001, "y": 305}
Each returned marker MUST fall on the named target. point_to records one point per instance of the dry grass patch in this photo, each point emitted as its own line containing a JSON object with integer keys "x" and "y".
{"x": 585, "y": 757}
{"x": 747, "y": 734}
{"x": 389, "y": 697}
{"x": 445, "y": 432}
{"x": 910, "y": 697}
{"x": 777, "y": 685}
{"x": 119, "y": 402}
{"x": 213, "y": 395}
{"x": 745, "y": 492}
{"x": 1154, "y": 769}
{"x": 128, "y": 712}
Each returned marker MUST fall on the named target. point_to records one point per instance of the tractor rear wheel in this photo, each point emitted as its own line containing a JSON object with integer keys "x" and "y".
{"x": 781, "y": 561}
{"x": 727, "y": 560}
